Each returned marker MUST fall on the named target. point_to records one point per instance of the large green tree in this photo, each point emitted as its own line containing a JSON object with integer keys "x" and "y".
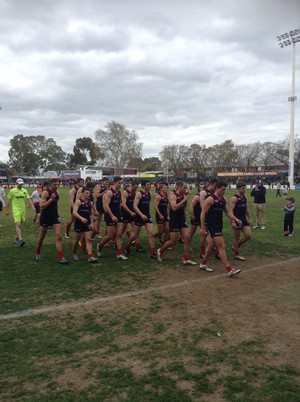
{"x": 197, "y": 157}
{"x": 28, "y": 153}
{"x": 152, "y": 163}
{"x": 175, "y": 158}
{"x": 119, "y": 145}
{"x": 85, "y": 152}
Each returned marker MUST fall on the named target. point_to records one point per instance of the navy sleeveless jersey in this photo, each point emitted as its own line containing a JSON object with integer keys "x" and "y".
{"x": 163, "y": 205}
{"x": 179, "y": 215}
{"x": 215, "y": 213}
{"x": 115, "y": 203}
{"x": 240, "y": 207}
{"x": 144, "y": 203}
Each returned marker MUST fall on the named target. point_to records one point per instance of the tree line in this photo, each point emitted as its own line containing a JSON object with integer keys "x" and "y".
{"x": 117, "y": 146}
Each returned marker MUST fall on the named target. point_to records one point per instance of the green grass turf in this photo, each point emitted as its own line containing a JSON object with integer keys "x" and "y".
{"x": 113, "y": 356}
{"x": 26, "y": 283}
{"x": 130, "y": 354}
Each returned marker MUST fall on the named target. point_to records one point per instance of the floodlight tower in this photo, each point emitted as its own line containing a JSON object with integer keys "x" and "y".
{"x": 286, "y": 39}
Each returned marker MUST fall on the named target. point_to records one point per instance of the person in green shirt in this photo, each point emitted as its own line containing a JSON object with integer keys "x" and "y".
{"x": 17, "y": 197}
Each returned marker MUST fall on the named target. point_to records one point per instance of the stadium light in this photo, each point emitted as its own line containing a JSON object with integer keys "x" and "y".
{"x": 287, "y": 39}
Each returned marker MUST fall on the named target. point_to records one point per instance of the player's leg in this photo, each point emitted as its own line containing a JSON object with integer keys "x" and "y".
{"x": 150, "y": 231}
{"x": 19, "y": 231}
{"x": 133, "y": 237}
{"x": 89, "y": 246}
{"x": 76, "y": 238}
{"x": 69, "y": 225}
{"x": 166, "y": 231}
{"x": 247, "y": 236}
{"x": 58, "y": 241}
{"x": 170, "y": 243}
{"x": 42, "y": 235}
{"x": 185, "y": 235}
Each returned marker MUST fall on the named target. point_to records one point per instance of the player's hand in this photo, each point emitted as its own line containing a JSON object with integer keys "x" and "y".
{"x": 84, "y": 220}
{"x": 238, "y": 222}
{"x": 53, "y": 195}
{"x": 203, "y": 231}
{"x": 233, "y": 224}
{"x": 161, "y": 217}
{"x": 114, "y": 218}
{"x": 186, "y": 197}
{"x": 144, "y": 217}
{"x": 132, "y": 214}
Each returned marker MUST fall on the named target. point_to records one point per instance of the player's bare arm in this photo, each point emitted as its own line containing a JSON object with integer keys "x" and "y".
{"x": 71, "y": 197}
{"x": 75, "y": 212}
{"x": 44, "y": 202}
{"x": 232, "y": 205}
{"x": 230, "y": 215}
{"x": 202, "y": 197}
{"x": 137, "y": 199}
{"x": 123, "y": 203}
{"x": 172, "y": 200}
{"x": 106, "y": 202}
{"x": 207, "y": 204}
{"x": 192, "y": 205}
{"x": 156, "y": 204}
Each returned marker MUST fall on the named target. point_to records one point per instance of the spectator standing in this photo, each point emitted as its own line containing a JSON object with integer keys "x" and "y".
{"x": 259, "y": 194}
{"x": 17, "y": 197}
{"x": 36, "y": 199}
{"x": 289, "y": 212}
{"x": 285, "y": 191}
{"x": 278, "y": 192}
{"x": 2, "y": 197}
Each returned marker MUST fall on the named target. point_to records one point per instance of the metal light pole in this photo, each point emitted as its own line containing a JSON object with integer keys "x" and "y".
{"x": 287, "y": 39}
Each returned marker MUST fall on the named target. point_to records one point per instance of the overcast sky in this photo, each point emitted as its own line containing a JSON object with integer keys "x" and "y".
{"x": 177, "y": 72}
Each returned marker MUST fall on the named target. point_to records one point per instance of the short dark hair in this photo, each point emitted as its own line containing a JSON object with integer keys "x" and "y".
{"x": 213, "y": 180}
{"x": 221, "y": 183}
{"x": 79, "y": 179}
{"x": 117, "y": 178}
{"x": 144, "y": 182}
{"x": 89, "y": 185}
{"x": 240, "y": 184}
{"x": 104, "y": 179}
{"x": 179, "y": 183}
{"x": 53, "y": 180}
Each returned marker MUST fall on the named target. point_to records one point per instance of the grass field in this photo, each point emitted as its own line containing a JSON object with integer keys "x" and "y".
{"x": 171, "y": 345}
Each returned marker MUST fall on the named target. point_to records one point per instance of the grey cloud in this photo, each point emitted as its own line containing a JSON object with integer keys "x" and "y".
{"x": 183, "y": 71}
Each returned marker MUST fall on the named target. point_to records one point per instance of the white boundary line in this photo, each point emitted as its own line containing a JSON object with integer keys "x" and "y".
{"x": 96, "y": 300}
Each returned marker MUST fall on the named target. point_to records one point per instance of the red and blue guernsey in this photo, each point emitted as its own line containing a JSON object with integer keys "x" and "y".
{"x": 99, "y": 201}
{"x": 115, "y": 203}
{"x": 177, "y": 218}
{"x": 49, "y": 215}
{"x": 144, "y": 203}
{"x": 240, "y": 208}
{"x": 163, "y": 205}
{"x": 84, "y": 210}
{"x": 214, "y": 217}
{"x": 129, "y": 201}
